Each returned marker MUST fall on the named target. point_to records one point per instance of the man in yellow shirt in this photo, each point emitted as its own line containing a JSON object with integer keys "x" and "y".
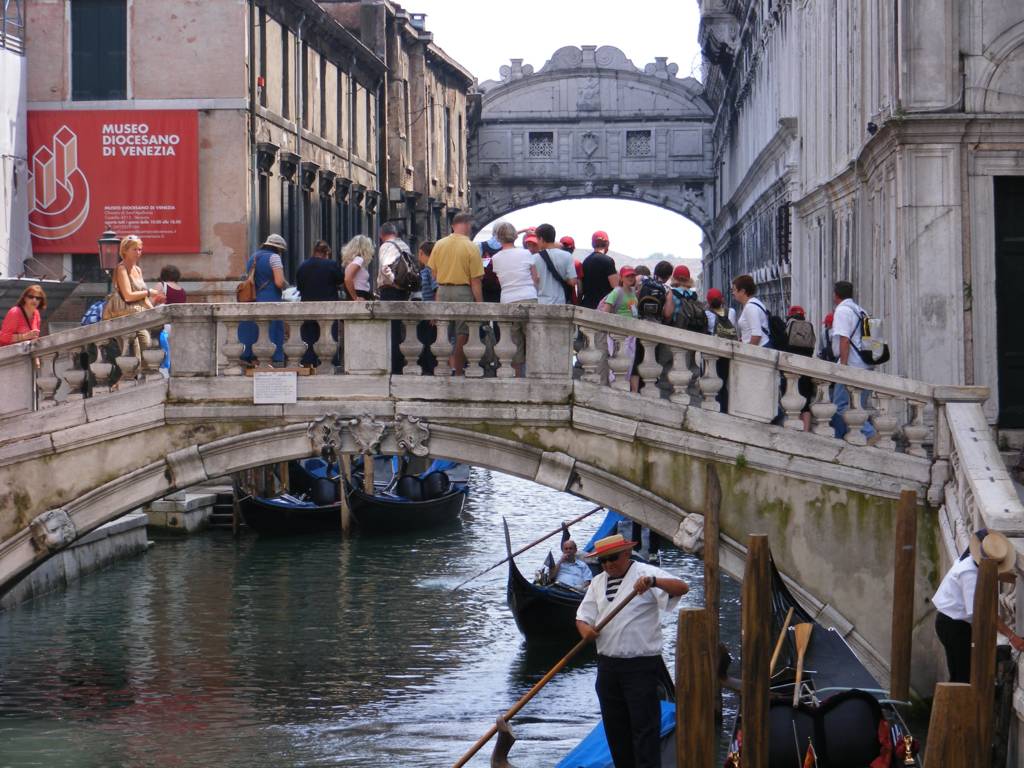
{"x": 459, "y": 270}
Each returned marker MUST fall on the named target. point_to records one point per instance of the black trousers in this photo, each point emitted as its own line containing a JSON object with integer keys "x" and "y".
{"x": 628, "y": 692}
{"x": 388, "y": 293}
{"x": 955, "y": 636}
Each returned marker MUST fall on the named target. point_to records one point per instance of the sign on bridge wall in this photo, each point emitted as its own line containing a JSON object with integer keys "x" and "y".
{"x": 136, "y": 170}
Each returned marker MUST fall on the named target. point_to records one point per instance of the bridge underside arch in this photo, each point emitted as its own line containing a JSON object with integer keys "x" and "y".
{"x": 832, "y": 537}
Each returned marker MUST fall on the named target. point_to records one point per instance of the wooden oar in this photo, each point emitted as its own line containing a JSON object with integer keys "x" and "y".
{"x": 803, "y": 637}
{"x": 544, "y": 680}
{"x": 778, "y": 643}
{"x": 528, "y": 546}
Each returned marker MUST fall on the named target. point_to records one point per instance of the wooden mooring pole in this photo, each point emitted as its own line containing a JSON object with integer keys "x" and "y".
{"x": 696, "y": 690}
{"x": 346, "y": 476}
{"x": 757, "y": 649}
{"x": 904, "y": 567}
{"x": 953, "y": 729}
{"x": 368, "y": 473}
{"x": 983, "y": 655}
{"x": 712, "y": 584}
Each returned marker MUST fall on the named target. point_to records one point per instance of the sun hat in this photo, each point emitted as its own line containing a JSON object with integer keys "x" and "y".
{"x": 795, "y": 310}
{"x": 610, "y": 545}
{"x": 993, "y": 546}
{"x": 627, "y": 271}
{"x": 713, "y": 294}
{"x": 276, "y": 241}
{"x": 828, "y": 320}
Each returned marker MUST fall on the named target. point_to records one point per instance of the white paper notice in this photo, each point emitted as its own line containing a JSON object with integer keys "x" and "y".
{"x": 272, "y": 387}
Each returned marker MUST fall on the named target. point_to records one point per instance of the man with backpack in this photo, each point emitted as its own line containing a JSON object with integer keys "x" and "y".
{"x": 555, "y": 268}
{"x": 847, "y": 339}
{"x": 800, "y": 341}
{"x": 721, "y": 325}
{"x": 398, "y": 276}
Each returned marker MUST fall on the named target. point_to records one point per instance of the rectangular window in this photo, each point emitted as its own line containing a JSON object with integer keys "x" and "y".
{"x": 448, "y": 143}
{"x": 263, "y": 56}
{"x": 638, "y": 144}
{"x": 323, "y": 97}
{"x": 99, "y": 50}
{"x": 369, "y": 124}
{"x": 341, "y": 109}
{"x": 353, "y": 89}
{"x": 304, "y": 75}
{"x": 458, "y": 175}
{"x": 285, "y": 72}
{"x": 542, "y": 144}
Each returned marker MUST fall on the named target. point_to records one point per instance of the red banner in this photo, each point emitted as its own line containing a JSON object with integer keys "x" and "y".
{"x": 136, "y": 170}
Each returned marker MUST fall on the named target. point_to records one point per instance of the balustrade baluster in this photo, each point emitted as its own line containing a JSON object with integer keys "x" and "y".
{"x": 649, "y": 370}
{"x": 505, "y": 348}
{"x": 231, "y": 348}
{"x": 916, "y": 432}
{"x": 710, "y": 383}
{"x": 792, "y": 402}
{"x": 46, "y": 379}
{"x": 620, "y": 362}
{"x": 822, "y": 410}
{"x": 129, "y": 359}
{"x": 441, "y": 349}
{"x": 101, "y": 369}
{"x": 153, "y": 355}
{"x": 855, "y": 417}
{"x": 294, "y": 346}
{"x": 75, "y": 376}
{"x": 591, "y": 357}
{"x": 474, "y": 350}
{"x": 411, "y": 347}
{"x": 885, "y": 422}
{"x": 263, "y": 348}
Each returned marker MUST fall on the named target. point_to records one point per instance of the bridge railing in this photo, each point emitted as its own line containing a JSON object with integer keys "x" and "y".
{"x": 562, "y": 343}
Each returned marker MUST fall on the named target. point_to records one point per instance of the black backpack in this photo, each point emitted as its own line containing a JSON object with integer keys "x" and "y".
{"x": 724, "y": 328}
{"x": 688, "y": 313}
{"x": 406, "y": 271}
{"x": 650, "y": 299}
{"x": 776, "y": 328}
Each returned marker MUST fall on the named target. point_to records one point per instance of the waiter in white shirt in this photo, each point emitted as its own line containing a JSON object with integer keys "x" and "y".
{"x": 629, "y": 648}
{"x": 954, "y": 600}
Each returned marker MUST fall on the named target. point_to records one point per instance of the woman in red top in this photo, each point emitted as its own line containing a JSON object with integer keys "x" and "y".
{"x": 23, "y": 320}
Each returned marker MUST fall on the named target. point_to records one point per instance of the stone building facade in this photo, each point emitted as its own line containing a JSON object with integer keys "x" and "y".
{"x": 299, "y": 132}
{"x": 879, "y": 143}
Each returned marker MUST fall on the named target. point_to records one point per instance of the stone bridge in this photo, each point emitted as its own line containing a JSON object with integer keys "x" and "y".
{"x": 69, "y": 464}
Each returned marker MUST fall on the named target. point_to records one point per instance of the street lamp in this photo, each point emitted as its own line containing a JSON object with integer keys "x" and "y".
{"x": 109, "y": 250}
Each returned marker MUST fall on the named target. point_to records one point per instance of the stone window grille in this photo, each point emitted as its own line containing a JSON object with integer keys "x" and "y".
{"x": 542, "y": 144}
{"x": 638, "y": 144}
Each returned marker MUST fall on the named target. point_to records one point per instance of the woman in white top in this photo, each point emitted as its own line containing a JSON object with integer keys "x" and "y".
{"x": 517, "y": 274}
{"x": 356, "y": 257}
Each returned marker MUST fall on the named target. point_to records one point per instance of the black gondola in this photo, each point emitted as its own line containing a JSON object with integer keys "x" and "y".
{"x": 403, "y": 511}
{"x": 841, "y": 707}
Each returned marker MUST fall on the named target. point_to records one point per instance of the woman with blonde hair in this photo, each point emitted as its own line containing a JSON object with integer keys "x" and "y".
{"x": 24, "y": 320}
{"x": 356, "y": 258}
{"x": 131, "y": 294}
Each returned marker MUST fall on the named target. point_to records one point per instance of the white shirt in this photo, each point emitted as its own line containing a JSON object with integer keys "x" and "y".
{"x": 361, "y": 281}
{"x": 388, "y": 253}
{"x": 713, "y": 318}
{"x": 636, "y": 631}
{"x": 575, "y": 574}
{"x": 955, "y": 595}
{"x": 550, "y": 290}
{"x": 846, "y": 322}
{"x": 754, "y": 322}
{"x": 512, "y": 266}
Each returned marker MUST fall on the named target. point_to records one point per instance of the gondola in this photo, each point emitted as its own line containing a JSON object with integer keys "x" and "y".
{"x": 546, "y": 612}
{"x": 311, "y": 504}
{"x": 843, "y": 713}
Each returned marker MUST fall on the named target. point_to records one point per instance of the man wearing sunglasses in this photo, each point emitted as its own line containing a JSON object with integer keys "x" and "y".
{"x": 628, "y": 649}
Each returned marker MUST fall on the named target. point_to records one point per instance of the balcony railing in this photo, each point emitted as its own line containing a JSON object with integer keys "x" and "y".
{"x": 12, "y": 25}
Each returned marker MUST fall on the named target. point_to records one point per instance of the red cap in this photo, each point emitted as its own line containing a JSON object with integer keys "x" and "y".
{"x": 828, "y": 320}
{"x": 626, "y": 272}
{"x": 599, "y": 237}
{"x": 568, "y": 242}
{"x": 796, "y": 309}
{"x": 531, "y": 238}
{"x": 681, "y": 272}
{"x": 714, "y": 294}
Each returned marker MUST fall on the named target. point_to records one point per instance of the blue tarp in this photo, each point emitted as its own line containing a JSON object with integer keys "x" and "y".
{"x": 593, "y": 751}
{"x": 608, "y": 527}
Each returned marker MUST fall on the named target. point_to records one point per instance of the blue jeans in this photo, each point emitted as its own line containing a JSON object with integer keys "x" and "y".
{"x": 841, "y": 399}
{"x": 248, "y": 333}
{"x": 165, "y": 345}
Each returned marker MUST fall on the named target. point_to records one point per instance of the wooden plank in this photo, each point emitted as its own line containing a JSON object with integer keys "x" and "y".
{"x": 712, "y": 571}
{"x": 983, "y": 654}
{"x": 953, "y": 729}
{"x": 757, "y": 648}
{"x": 696, "y": 690}
{"x": 904, "y": 568}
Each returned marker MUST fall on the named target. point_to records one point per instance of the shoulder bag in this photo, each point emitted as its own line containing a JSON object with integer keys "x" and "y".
{"x": 554, "y": 273}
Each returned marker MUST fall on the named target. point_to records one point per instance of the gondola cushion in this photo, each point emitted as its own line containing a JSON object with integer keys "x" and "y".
{"x": 410, "y": 487}
{"x": 436, "y": 484}
{"x": 324, "y": 492}
{"x": 844, "y": 730}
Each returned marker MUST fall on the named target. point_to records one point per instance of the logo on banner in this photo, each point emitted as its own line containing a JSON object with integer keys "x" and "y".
{"x": 58, "y": 189}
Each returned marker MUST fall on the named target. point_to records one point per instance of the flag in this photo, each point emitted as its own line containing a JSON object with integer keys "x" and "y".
{"x": 810, "y": 757}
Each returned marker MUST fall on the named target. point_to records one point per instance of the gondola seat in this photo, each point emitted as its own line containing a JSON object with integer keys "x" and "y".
{"x": 435, "y": 485}
{"x": 324, "y": 492}
{"x": 410, "y": 487}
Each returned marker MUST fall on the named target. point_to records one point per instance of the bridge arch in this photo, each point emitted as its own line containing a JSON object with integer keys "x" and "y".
{"x": 590, "y": 123}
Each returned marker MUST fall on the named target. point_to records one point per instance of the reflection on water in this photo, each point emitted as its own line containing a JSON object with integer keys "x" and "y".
{"x": 304, "y": 651}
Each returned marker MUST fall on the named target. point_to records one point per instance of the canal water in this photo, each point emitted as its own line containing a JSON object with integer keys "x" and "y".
{"x": 310, "y": 651}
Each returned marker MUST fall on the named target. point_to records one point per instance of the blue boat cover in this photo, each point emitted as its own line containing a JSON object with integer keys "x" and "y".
{"x": 593, "y": 751}
{"x": 439, "y": 465}
{"x": 608, "y": 527}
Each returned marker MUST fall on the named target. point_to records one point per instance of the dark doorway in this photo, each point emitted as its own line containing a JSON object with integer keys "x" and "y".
{"x": 1009, "y": 194}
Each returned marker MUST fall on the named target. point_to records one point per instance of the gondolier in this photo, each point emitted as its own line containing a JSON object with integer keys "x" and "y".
{"x": 629, "y": 648}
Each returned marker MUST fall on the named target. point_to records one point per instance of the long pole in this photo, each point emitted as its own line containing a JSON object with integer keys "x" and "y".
{"x": 346, "y": 477}
{"x": 696, "y": 690}
{"x": 757, "y": 623}
{"x": 712, "y": 590}
{"x": 904, "y": 565}
{"x": 528, "y": 546}
{"x": 542, "y": 682}
{"x": 983, "y": 654}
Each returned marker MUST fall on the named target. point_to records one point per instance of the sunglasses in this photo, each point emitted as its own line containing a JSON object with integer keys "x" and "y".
{"x": 609, "y": 558}
{"x": 34, "y": 296}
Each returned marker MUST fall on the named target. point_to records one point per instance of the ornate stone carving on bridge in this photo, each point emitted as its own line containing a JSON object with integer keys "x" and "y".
{"x": 411, "y": 434}
{"x": 691, "y": 535}
{"x": 52, "y": 530}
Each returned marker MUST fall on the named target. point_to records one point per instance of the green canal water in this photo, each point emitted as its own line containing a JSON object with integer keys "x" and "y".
{"x": 309, "y": 651}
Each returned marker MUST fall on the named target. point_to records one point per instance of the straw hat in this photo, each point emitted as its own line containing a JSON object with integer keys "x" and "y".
{"x": 993, "y": 546}
{"x": 610, "y": 545}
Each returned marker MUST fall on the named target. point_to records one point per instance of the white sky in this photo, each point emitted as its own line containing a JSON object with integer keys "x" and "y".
{"x": 482, "y": 35}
